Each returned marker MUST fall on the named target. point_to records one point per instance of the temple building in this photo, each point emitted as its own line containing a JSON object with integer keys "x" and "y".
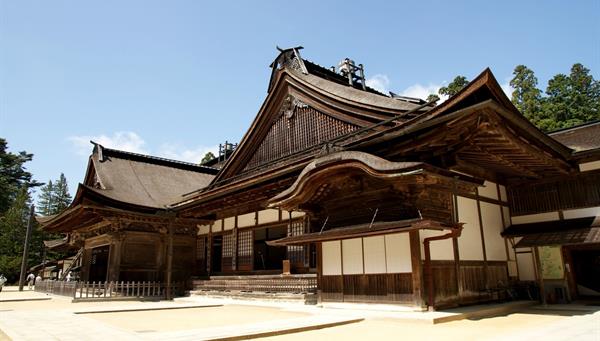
{"x": 376, "y": 198}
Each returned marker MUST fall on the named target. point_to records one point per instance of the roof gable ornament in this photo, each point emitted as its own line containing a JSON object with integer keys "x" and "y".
{"x": 349, "y": 69}
{"x": 289, "y": 59}
{"x": 289, "y": 106}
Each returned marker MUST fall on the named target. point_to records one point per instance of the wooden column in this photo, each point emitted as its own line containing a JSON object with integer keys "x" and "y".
{"x": 540, "y": 275}
{"x": 485, "y": 262}
{"x": 169, "y": 275}
{"x": 417, "y": 270}
{"x": 319, "y": 272}
{"x": 114, "y": 260}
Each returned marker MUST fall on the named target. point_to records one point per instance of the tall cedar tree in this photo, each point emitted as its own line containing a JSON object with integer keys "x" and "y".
{"x": 62, "y": 198}
{"x": 13, "y": 227}
{"x": 13, "y": 175}
{"x": 46, "y": 199}
{"x": 526, "y": 96}
{"x": 571, "y": 99}
{"x": 207, "y": 157}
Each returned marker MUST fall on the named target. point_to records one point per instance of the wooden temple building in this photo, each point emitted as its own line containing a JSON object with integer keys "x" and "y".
{"x": 379, "y": 198}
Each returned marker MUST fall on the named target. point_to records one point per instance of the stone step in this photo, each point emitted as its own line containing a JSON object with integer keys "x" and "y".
{"x": 303, "y": 298}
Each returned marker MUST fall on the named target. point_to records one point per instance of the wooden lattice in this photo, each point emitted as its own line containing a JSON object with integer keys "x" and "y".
{"x": 305, "y": 128}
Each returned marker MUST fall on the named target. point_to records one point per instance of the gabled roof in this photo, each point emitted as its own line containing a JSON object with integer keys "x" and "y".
{"x": 141, "y": 179}
{"x": 579, "y": 138}
{"x": 321, "y": 89}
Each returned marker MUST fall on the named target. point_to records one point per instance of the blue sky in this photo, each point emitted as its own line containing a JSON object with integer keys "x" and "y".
{"x": 176, "y": 78}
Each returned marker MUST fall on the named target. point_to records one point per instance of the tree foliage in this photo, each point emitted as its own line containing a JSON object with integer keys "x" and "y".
{"x": 526, "y": 96}
{"x": 454, "y": 87}
{"x": 13, "y": 175}
{"x": 54, "y": 197}
{"x": 207, "y": 157}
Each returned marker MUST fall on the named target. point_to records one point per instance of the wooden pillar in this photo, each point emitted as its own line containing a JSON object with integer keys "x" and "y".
{"x": 169, "y": 274}
{"x": 114, "y": 260}
{"x": 417, "y": 270}
{"x": 319, "y": 272}
{"x": 540, "y": 275}
{"x": 485, "y": 261}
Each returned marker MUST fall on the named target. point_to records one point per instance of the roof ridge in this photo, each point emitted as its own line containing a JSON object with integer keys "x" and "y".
{"x": 579, "y": 126}
{"x": 157, "y": 160}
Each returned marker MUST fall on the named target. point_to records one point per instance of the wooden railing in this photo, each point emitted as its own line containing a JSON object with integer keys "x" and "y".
{"x": 291, "y": 284}
{"x": 56, "y": 287}
{"x": 81, "y": 291}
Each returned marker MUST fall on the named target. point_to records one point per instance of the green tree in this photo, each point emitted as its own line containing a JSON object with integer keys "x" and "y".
{"x": 454, "y": 87}
{"x": 208, "y": 157}
{"x": 571, "y": 99}
{"x": 46, "y": 199}
{"x": 13, "y": 175}
{"x": 62, "y": 198}
{"x": 13, "y": 227}
{"x": 526, "y": 96}
{"x": 433, "y": 97}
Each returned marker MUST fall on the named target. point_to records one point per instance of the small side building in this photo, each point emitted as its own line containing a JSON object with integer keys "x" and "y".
{"x": 120, "y": 221}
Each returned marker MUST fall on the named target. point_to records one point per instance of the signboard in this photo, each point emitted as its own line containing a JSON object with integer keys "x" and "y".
{"x": 552, "y": 264}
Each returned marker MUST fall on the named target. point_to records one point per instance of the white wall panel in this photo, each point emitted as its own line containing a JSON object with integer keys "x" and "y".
{"x": 535, "y": 218}
{"x": 374, "y": 248}
{"x": 297, "y": 214}
{"x": 440, "y": 249}
{"x": 352, "y": 256}
{"x": 503, "y": 196}
{"x": 469, "y": 242}
{"x": 268, "y": 216}
{"x": 526, "y": 267}
{"x": 217, "y": 226}
{"x": 582, "y": 213}
{"x": 229, "y": 223}
{"x": 203, "y": 229}
{"x": 506, "y": 214}
{"x": 491, "y": 217}
{"x": 247, "y": 220}
{"x": 488, "y": 190}
{"x": 588, "y": 166}
{"x": 332, "y": 258}
{"x": 397, "y": 248}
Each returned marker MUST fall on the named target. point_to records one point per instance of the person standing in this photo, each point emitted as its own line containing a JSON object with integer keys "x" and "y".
{"x": 30, "y": 279}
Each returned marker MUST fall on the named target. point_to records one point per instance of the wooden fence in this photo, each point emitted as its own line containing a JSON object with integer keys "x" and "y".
{"x": 291, "y": 284}
{"x": 81, "y": 291}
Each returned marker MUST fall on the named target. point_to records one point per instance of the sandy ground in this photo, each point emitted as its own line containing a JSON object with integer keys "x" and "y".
{"x": 194, "y": 318}
{"x": 393, "y": 329}
{"x": 528, "y": 324}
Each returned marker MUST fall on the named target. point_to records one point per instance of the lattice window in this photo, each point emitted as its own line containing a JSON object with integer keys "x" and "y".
{"x": 228, "y": 245}
{"x": 292, "y": 133}
{"x": 296, "y": 253}
{"x": 244, "y": 258}
{"x": 201, "y": 248}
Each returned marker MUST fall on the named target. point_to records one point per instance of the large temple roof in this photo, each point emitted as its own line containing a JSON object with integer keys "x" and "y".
{"x": 143, "y": 180}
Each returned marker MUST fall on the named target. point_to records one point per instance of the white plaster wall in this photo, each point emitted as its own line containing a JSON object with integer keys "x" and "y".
{"x": 512, "y": 268}
{"x": 588, "y": 166}
{"x": 217, "y": 226}
{"x": 352, "y": 256}
{"x": 246, "y": 220}
{"x": 440, "y": 249}
{"x": 332, "y": 258}
{"x": 203, "y": 229}
{"x": 469, "y": 242}
{"x": 582, "y": 213}
{"x": 374, "y": 253}
{"x": 506, "y": 213}
{"x": 503, "y": 195}
{"x": 397, "y": 247}
{"x": 491, "y": 217}
{"x": 535, "y": 218}
{"x": 488, "y": 190}
{"x": 526, "y": 267}
{"x": 268, "y": 216}
{"x": 229, "y": 223}
{"x": 296, "y": 214}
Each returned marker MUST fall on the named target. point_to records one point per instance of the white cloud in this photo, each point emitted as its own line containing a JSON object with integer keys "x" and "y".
{"x": 379, "y": 82}
{"x": 122, "y": 140}
{"x": 423, "y": 91}
{"x": 132, "y": 142}
{"x": 177, "y": 152}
